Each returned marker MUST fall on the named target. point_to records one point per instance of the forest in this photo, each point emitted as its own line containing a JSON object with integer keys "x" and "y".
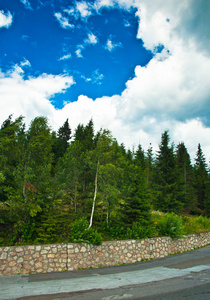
{"x": 83, "y": 186}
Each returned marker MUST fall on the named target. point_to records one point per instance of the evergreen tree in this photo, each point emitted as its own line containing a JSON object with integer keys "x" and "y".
{"x": 167, "y": 178}
{"x": 136, "y": 206}
{"x": 207, "y": 197}
{"x": 12, "y": 142}
{"x": 186, "y": 178}
{"x": 89, "y": 136}
{"x": 79, "y": 134}
{"x": 69, "y": 176}
{"x": 32, "y": 177}
{"x": 149, "y": 166}
{"x": 61, "y": 141}
{"x": 140, "y": 157}
{"x": 201, "y": 176}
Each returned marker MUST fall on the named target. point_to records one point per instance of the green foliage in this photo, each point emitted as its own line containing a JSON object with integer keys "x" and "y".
{"x": 167, "y": 180}
{"x": 192, "y": 224}
{"x": 48, "y": 182}
{"x": 207, "y": 197}
{"x": 204, "y": 222}
{"x": 81, "y": 234}
{"x": 137, "y": 231}
{"x": 170, "y": 225}
{"x": 114, "y": 232}
{"x": 54, "y": 224}
{"x": 23, "y": 232}
{"x": 201, "y": 176}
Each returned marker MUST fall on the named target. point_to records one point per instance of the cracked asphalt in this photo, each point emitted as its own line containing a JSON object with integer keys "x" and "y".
{"x": 182, "y": 276}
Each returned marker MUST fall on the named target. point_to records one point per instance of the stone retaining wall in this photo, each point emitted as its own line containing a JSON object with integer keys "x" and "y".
{"x": 66, "y": 257}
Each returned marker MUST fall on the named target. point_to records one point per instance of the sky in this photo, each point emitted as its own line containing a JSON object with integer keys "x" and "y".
{"x": 136, "y": 67}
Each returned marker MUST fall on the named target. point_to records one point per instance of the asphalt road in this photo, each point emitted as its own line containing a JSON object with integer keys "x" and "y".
{"x": 183, "y": 276}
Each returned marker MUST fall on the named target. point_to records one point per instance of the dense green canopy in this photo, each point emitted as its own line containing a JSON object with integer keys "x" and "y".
{"x": 50, "y": 181}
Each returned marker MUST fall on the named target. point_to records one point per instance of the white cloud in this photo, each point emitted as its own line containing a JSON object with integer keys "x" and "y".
{"x": 25, "y": 63}
{"x": 63, "y": 21}
{"x": 91, "y": 39}
{"x": 5, "y": 19}
{"x": 171, "y": 87}
{"x": 170, "y": 93}
{"x": 78, "y": 52}
{"x": 65, "y": 57}
{"x": 126, "y": 23}
{"x": 97, "y": 77}
{"x": 29, "y": 97}
{"x": 26, "y": 3}
{"x": 104, "y": 3}
{"x": 84, "y": 9}
{"x": 110, "y": 45}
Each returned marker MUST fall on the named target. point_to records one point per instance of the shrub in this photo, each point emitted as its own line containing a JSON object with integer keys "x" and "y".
{"x": 81, "y": 234}
{"x": 117, "y": 231}
{"x": 170, "y": 225}
{"x": 137, "y": 231}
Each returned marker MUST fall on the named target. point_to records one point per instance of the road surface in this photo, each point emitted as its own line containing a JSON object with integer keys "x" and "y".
{"x": 183, "y": 276}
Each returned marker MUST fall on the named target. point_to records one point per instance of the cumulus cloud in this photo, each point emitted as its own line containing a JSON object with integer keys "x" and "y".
{"x": 103, "y": 3}
{"x": 170, "y": 93}
{"x": 30, "y": 97}
{"x": 5, "y": 19}
{"x": 81, "y": 10}
{"x": 169, "y": 88}
{"x": 84, "y": 9}
{"x": 91, "y": 39}
{"x": 63, "y": 21}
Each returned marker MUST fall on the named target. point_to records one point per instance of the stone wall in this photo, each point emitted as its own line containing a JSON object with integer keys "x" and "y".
{"x": 66, "y": 257}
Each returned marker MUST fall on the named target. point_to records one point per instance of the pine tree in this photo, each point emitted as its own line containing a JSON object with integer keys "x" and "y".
{"x": 135, "y": 208}
{"x": 207, "y": 197}
{"x": 201, "y": 176}
{"x": 140, "y": 157}
{"x": 167, "y": 178}
{"x": 61, "y": 141}
{"x": 186, "y": 178}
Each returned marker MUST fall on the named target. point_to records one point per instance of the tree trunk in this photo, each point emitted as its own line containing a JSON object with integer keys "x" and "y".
{"x": 94, "y": 198}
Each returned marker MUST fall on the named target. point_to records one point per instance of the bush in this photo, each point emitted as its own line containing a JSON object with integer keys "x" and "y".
{"x": 116, "y": 231}
{"x": 170, "y": 225}
{"x": 81, "y": 234}
{"x": 137, "y": 231}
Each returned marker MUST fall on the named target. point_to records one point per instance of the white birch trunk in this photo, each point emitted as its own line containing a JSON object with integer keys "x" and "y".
{"x": 94, "y": 198}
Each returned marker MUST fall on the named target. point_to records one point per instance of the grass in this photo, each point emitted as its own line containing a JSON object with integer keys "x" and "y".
{"x": 194, "y": 224}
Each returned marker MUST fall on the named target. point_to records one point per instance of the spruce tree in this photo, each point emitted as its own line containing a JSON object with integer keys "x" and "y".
{"x": 207, "y": 197}
{"x": 201, "y": 176}
{"x": 167, "y": 185}
{"x": 140, "y": 157}
{"x": 186, "y": 178}
{"x": 61, "y": 141}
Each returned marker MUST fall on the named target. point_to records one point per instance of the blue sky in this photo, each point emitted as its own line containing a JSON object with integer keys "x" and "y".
{"x": 55, "y": 40}
{"x": 137, "y": 67}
